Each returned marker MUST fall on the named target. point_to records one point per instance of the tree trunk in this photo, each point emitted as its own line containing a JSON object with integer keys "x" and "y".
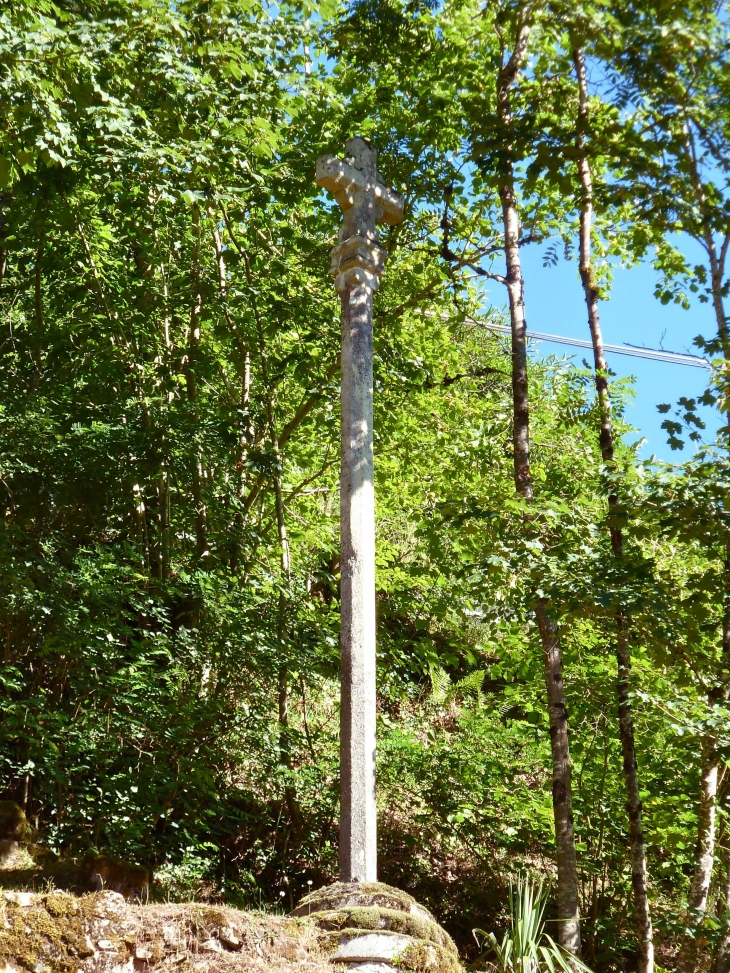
{"x": 639, "y": 876}
{"x": 290, "y": 794}
{"x": 568, "y": 912}
{"x": 4, "y": 199}
{"x": 568, "y": 901}
{"x": 140, "y": 525}
{"x": 201, "y": 516}
{"x": 716, "y": 260}
{"x": 38, "y": 308}
{"x": 707, "y": 806}
{"x": 246, "y": 432}
{"x": 705, "y": 850}
{"x": 722, "y": 955}
{"x": 163, "y": 493}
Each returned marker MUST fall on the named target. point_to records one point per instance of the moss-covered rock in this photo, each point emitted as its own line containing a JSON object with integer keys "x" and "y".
{"x": 391, "y": 920}
{"x": 409, "y": 954}
{"x": 61, "y": 933}
{"x": 422, "y": 957}
{"x": 350, "y": 911}
{"x": 348, "y": 894}
{"x": 51, "y": 932}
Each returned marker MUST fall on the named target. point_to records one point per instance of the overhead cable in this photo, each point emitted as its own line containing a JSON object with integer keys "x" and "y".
{"x": 636, "y": 351}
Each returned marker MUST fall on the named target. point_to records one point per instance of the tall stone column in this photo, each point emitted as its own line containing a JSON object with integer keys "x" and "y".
{"x": 357, "y": 263}
{"x": 404, "y": 927}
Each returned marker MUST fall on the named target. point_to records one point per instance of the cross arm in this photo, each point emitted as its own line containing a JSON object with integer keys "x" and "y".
{"x": 339, "y": 178}
{"x": 391, "y": 203}
{"x": 344, "y": 180}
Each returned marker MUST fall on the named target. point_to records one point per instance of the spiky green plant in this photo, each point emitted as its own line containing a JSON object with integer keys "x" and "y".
{"x": 526, "y": 947}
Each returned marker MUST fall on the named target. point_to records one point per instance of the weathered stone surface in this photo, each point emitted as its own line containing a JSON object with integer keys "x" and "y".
{"x": 377, "y": 918}
{"x": 211, "y": 946}
{"x": 172, "y": 935}
{"x": 357, "y": 263}
{"x": 229, "y": 937}
{"x": 10, "y": 852}
{"x": 57, "y": 931}
{"x": 370, "y": 967}
{"x": 100, "y": 933}
{"x": 23, "y": 899}
{"x": 343, "y": 895}
{"x": 14, "y": 834}
{"x": 371, "y": 947}
{"x": 372, "y": 924}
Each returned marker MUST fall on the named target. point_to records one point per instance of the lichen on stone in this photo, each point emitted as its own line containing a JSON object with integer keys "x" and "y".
{"x": 50, "y": 931}
{"x": 377, "y": 918}
{"x": 348, "y": 894}
{"x": 422, "y": 957}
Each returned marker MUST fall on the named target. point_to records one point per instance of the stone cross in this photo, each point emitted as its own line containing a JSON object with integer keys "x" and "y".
{"x": 357, "y": 263}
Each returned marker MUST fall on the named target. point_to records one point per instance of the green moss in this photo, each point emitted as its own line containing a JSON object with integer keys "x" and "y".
{"x": 419, "y": 957}
{"x": 349, "y": 894}
{"x": 428, "y": 958}
{"x": 381, "y": 919}
{"x": 51, "y": 932}
{"x": 213, "y": 918}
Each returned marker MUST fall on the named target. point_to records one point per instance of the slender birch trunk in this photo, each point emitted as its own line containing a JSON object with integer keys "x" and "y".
{"x": 246, "y": 431}
{"x": 38, "y": 308}
{"x": 639, "y": 875}
{"x": 722, "y": 954}
{"x": 717, "y": 259}
{"x": 710, "y": 776}
{"x": 568, "y": 897}
{"x": 201, "y": 517}
{"x": 568, "y": 891}
{"x": 290, "y": 794}
{"x": 163, "y": 494}
{"x": 4, "y": 199}
{"x": 705, "y": 850}
{"x": 140, "y": 524}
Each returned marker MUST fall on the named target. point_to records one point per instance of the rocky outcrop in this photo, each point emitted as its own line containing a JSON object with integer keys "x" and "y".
{"x": 375, "y": 928}
{"x": 101, "y": 933}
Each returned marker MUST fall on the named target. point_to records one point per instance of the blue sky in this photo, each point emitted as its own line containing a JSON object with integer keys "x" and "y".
{"x": 554, "y": 303}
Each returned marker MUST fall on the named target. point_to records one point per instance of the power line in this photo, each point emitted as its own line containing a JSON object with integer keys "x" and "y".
{"x": 655, "y": 354}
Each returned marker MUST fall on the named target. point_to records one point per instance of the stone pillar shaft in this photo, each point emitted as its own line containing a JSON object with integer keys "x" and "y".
{"x": 358, "y": 826}
{"x": 357, "y": 263}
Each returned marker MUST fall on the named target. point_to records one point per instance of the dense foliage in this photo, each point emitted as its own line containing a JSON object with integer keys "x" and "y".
{"x": 169, "y": 450}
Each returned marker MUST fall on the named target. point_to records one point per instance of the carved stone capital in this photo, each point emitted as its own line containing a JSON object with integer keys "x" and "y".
{"x": 357, "y": 260}
{"x": 356, "y": 276}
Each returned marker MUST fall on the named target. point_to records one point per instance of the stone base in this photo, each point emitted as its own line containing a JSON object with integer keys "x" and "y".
{"x": 375, "y": 928}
